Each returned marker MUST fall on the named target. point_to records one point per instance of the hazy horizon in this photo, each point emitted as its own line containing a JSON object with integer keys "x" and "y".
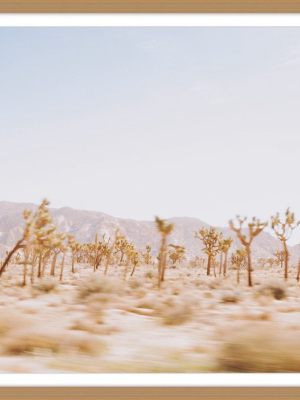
{"x": 137, "y": 122}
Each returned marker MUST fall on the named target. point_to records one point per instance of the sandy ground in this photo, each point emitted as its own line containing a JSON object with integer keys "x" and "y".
{"x": 91, "y": 323}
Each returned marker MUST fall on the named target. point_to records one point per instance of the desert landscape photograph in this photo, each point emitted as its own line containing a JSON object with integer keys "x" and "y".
{"x": 149, "y": 203}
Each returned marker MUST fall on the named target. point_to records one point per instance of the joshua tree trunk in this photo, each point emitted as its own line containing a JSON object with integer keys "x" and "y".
{"x": 221, "y": 263}
{"x": 286, "y": 261}
{"x": 133, "y": 269}
{"x": 164, "y": 267}
{"x": 225, "y": 263}
{"x": 214, "y": 266}
{"x": 208, "y": 265}
{"x": 298, "y": 274}
{"x": 17, "y": 247}
{"x": 62, "y": 267}
{"x": 161, "y": 261}
{"x": 44, "y": 264}
{"x": 238, "y": 264}
{"x": 32, "y": 269}
{"x": 25, "y": 267}
{"x": 73, "y": 263}
{"x": 249, "y": 265}
{"x": 107, "y": 261}
{"x": 52, "y": 273}
{"x": 40, "y": 266}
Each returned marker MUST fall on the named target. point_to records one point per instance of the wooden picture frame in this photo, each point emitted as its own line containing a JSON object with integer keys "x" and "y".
{"x": 149, "y": 6}
{"x": 148, "y": 392}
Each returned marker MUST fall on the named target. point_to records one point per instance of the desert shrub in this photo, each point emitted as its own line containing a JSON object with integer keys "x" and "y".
{"x": 273, "y": 288}
{"x": 98, "y": 284}
{"x": 260, "y": 347}
{"x": 148, "y": 302}
{"x": 214, "y": 284}
{"x": 10, "y": 320}
{"x": 135, "y": 283}
{"x": 31, "y": 341}
{"x": 150, "y": 274}
{"x": 173, "y": 311}
{"x": 44, "y": 285}
{"x": 230, "y": 296}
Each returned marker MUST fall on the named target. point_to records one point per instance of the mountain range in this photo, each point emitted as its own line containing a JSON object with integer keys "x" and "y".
{"x": 84, "y": 224}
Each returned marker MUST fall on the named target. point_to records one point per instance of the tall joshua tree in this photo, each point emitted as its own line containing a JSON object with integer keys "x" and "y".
{"x": 255, "y": 227}
{"x": 165, "y": 230}
{"x": 298, "y": 273}
{"x": 111, "y": 249}
{"x": 283, "y": 230}
{"x": 240, "y": 254}
{"x": 147, "y": 256}
{"x": 177, "y": 254}
{"x": 226, "y": 244}
{"x": 37, "y": 227}
{"x": 211, "y": 239}
{"x": 280, "y": 257}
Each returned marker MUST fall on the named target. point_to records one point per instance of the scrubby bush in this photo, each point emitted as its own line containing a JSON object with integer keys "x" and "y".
{"x": 98, "y": 284}
{"x": 30, "y": 341}
{"x": 10, "y": 320}
{"x": 230, "y": 296}
{"x": 273, "y": 288}
{"x": 44, "y": 285}
{"x": 260, "y": 347}
{"x": 173, "y": 311}
{"x": 135, "y": 283}
{"x": 150, "y": 274}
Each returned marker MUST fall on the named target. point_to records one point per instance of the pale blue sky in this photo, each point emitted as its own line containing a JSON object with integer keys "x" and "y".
{"x": 134, "y": 122}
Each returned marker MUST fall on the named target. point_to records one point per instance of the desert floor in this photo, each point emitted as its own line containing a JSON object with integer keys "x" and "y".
{"x": 91, "y": 323}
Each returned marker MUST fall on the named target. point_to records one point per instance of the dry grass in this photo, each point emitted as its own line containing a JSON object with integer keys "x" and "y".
{"x": 100, "y": 323}
{"x": 260, "y": 347}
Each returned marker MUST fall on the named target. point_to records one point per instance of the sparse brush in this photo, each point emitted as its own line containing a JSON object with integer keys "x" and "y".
{"x": 173, "y": 311}
{"x": 11, "y": 320}
{"x": 135, "y": 283}
{"x": 260, "y": 347}
{"x": 44, "y": 285}
{"x": 272, "y": 288}
{"x": 30, "y": 341}
{"x": 98, "y": 284}
{"x": 150, "y": 274}
{"x": 229, "y": 296}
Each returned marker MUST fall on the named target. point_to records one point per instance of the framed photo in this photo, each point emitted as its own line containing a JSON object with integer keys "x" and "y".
{"x": 149, "y": 208}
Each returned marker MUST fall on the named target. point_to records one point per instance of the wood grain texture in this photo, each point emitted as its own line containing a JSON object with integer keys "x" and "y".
{"x": 150, "y": 393}
{"x": 149, "y": 6}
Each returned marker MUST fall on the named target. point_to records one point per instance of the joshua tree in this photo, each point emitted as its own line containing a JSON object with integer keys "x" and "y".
{"x": 255, "y": 227}
{"x": 240, "y": 255}
{"x": 271, "y": 261}
{"x": 211, "y": 239}
{"x": 298, "y": 273}
{"x": 29, "y": 221}
{"x": 38, "y": 230}
{"x": 63, "y": 250}
{"x": 122, "y": 246}
{"x": 283, "y": 230}
{"x": 111, "y": 250}
{"x": 280, "y": 257}
{"x": 134, "y": 258}
{"x": 177, "y": 254}
{"x": 75, "y": 247}
{"x": 226, "y": 244}
{"x": 147, "y": 256}
{"x": 262, "y": 262}
{"x": 165, "y": 230}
